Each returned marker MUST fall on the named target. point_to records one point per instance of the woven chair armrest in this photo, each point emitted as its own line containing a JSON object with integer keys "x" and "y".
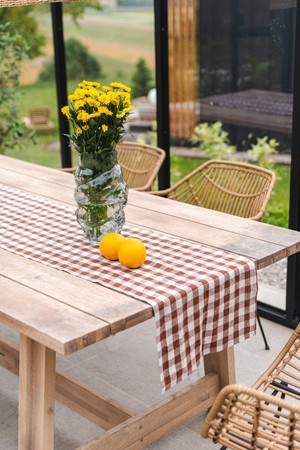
{"x": 240, "y": 390}
{"x": 163, "y": 193}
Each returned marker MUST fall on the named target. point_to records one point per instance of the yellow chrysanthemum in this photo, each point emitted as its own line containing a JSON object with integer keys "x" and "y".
{"x": 124, "y": 112}
{"x": 121, "y": 114}
{"x": 66, "y": 111}
{"x": 95, "y": 114}
{"x": 103, "y": 98}
{"x": 92, "y": 102}
{"x": 104, "y": 110}
{"x": 125, "y": 96}
{"x": 83, "y": 116}
{"x": 116, "y": 85}
{"x": 79, "y": 104}
{"x": 90, "y": 83}
{"x": 90, "y": 105}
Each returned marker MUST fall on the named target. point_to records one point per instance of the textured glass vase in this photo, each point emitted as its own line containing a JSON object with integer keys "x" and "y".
{"x": 101, "y": 194}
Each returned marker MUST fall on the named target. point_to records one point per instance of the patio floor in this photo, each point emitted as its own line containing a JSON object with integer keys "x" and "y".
{"x": 125, "y": 367}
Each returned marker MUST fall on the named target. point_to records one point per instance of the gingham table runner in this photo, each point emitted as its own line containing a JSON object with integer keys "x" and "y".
{"x": 204, "y": 300}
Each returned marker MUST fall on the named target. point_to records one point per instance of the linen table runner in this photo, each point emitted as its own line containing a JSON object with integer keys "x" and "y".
{"x": 204, "y": 300}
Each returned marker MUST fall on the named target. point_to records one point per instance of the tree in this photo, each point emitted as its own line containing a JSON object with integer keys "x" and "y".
{"x": 25, "y": 23}
{"x": 141, "y": 79}
{"x": 77, "y": 10}
{"x": 13, "y": 50}
{"x": 80, "y": 63}
{"x": 22, "y": 22}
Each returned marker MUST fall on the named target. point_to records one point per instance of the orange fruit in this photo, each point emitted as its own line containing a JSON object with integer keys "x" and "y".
{"x": 110, "y": 244}
{"x": 132, "y": 253}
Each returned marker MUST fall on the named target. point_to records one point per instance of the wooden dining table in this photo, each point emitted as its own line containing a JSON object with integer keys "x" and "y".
{"x": 33, "y": 294}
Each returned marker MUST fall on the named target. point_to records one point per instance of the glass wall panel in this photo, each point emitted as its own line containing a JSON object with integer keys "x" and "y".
{"x": 246, "y": 53}
{"x": 246, "y": 65}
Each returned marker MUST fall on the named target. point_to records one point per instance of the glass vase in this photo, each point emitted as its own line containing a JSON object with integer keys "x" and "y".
{"x": 100, "y": 194}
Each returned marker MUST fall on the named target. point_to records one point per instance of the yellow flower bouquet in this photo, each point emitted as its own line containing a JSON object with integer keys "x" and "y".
{"x": 97, "y": 115}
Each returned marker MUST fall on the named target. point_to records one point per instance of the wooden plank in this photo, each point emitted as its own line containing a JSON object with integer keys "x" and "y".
{"x": 9, "y": 357}
{"x": 38, "y": 186}
{"x": 36, "y": 396}
{"x": 263, "y": 252}
{"x": 47, "y": 321}
{"x": 223, "y": 363}
{"x": 36, "y": 171}
{"x": 119, "y": 311}
{"x": 216, "y": 219}
{"x": 94, "y": 406}
{"x": 150, "y": 425}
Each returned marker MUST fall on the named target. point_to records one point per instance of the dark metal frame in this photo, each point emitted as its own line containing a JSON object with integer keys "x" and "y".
{"x": 162, "y": 88}
{"x": 61, "y": 82}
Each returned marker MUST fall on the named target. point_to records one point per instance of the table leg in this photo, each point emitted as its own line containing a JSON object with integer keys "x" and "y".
{"x": 36, "y": 396}
{"x": 222, "y": 363}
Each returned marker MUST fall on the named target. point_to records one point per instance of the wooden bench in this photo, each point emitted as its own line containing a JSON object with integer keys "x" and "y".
{"x": 39, "y": 119}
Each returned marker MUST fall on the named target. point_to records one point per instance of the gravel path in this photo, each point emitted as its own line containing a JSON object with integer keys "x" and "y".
{"x": 274, "y": 275}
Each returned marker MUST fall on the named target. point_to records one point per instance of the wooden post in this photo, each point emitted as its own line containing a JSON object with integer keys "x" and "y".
{"x": 36, "y": 396}
{"x": 223, "y": 363}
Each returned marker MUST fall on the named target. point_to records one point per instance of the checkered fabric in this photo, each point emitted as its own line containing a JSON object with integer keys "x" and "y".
{"x": 204, "y": 300}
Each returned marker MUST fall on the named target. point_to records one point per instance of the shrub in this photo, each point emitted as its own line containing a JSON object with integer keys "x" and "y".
{"x": 79, "y": 62}
{"x": 141, "y": 79}
{"x": 262, "y": 150}
{"x": 13, "y": 50}
{"x": 212, "y": 140}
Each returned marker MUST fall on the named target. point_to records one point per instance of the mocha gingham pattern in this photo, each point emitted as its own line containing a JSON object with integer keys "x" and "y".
{"x": 204, "y": 300}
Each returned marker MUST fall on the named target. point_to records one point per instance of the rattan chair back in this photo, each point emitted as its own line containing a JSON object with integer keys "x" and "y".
{"x": 140, "y": 164}
{"x": 266, "y": 416}
{"x": 232, "y": 187}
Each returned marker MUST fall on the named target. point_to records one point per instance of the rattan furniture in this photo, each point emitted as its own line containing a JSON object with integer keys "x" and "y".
{"x": 231, "y": 187}
{"x": 266, "y": 416}
{"x": 140, "y": 164}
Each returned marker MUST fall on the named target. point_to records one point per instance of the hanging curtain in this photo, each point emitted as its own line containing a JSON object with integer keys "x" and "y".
{"x": 182, "y": 18}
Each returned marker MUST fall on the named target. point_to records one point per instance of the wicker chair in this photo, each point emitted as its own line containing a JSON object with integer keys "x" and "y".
{"x": 266, "y": 416}
{"x": 140, "y": 164}
{"x": 235, "y": 188}
{"x": 232, "y": 187}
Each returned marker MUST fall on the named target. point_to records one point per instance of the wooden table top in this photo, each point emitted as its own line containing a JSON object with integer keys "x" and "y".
{"x": 67, "y": 313}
